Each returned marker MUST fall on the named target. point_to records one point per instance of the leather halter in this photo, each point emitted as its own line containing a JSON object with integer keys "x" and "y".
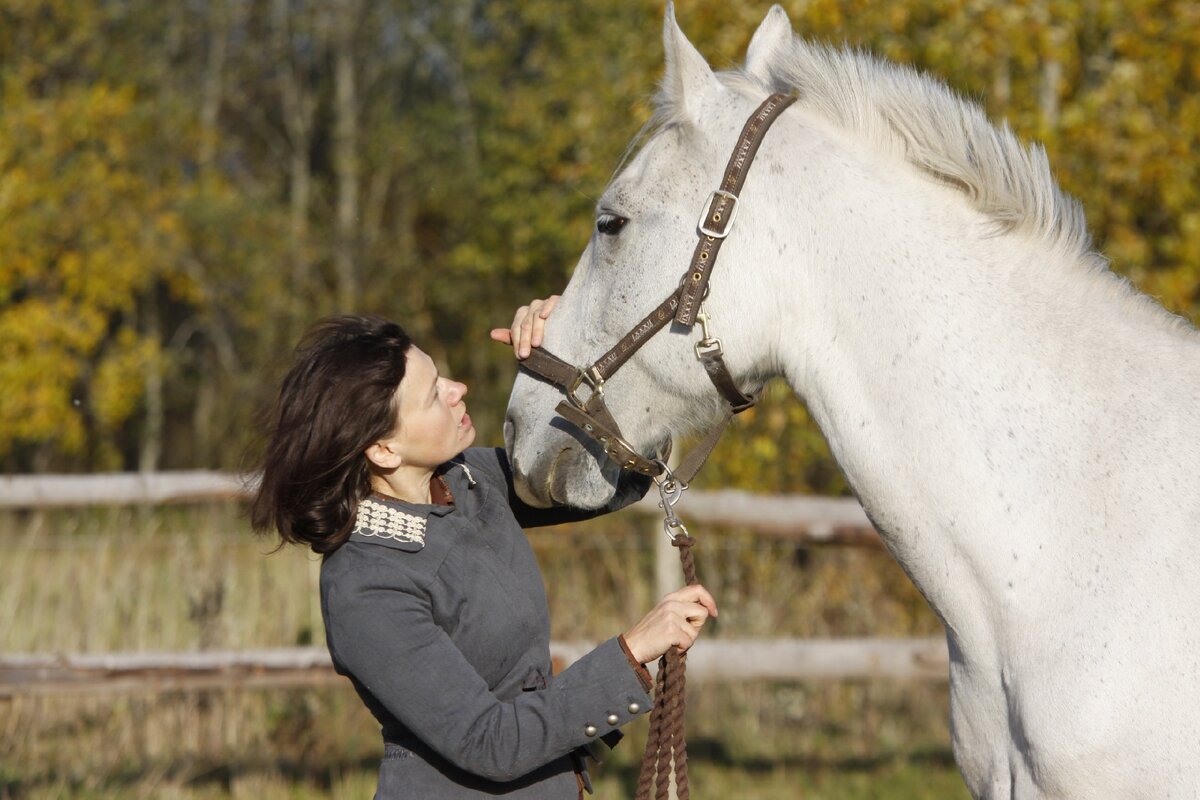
{"x": 684, "y": 306}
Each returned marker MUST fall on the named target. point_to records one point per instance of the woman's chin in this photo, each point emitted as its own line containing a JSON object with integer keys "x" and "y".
{"x": 468, "y": 435}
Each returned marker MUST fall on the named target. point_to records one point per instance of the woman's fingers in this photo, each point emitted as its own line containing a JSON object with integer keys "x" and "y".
{"x": 686, "y": 636}
{"x": 675, "y": 622}
{"x": 528, "y": 326}
{"x": 539, "y": 319}
{"x": 696, "y": 593}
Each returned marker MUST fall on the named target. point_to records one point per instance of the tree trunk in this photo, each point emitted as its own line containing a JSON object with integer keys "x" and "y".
{"x": 299, "y": 109}
{"x": 345, "y": 154}
{"x": 152, "y": 433}
{"x": 210, "y": 99}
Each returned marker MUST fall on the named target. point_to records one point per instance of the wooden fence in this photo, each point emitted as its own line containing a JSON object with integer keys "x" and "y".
{"x": 813, "y": 520}
{"x": 823, "y": 520}
{"x": 709, "y": 661}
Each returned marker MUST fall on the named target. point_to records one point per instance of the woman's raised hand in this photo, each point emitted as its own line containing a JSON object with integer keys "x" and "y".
{"x": 674, "y": 622}
{"x": 527, "y": 326}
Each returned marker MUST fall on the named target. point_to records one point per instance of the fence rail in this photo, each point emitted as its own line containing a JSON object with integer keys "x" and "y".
{"x": 816, "y": 520}
{"x": 711, "y": 661}
{"x": 120, "y": 488}
{"x": 805, "y": 519}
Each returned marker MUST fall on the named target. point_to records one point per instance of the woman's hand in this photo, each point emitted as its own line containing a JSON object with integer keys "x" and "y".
{"x": 527, "y": 326}
{"x": 674, "y": 622}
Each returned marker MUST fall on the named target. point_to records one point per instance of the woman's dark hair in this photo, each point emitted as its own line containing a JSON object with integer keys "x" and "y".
{"x": 338, "y": 397}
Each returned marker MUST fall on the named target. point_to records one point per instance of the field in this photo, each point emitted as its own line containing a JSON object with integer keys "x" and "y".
{"x": 188, "y": 578}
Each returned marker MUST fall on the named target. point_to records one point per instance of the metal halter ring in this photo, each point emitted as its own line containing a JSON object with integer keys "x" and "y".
{"x": 671, "y": 524}
{"x": 594, "y": 381}
{"x": 670, "y": 488}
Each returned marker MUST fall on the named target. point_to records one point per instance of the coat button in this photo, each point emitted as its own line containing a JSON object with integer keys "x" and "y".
{"x": 613, "y": 719}
{"x": 634, "y": 708}
{"x": 590, "y": 730}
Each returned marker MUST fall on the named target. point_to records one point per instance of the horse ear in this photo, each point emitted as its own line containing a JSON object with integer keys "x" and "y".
{"x": 687, "y": 73}
{"x": 772, "y": 36}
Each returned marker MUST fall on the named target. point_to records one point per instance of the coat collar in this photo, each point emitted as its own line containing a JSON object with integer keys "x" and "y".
{"x": 402, "y": 525}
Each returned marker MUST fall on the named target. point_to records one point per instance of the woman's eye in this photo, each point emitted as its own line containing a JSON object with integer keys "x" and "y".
{"x": 610, "y": 224}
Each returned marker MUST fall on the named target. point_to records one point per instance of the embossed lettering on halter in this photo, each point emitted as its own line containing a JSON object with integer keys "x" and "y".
{"x": 684, "y": 306}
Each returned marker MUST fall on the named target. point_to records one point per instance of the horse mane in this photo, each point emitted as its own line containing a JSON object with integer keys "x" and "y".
{"x": 896, "y": 109}
{"x": 918, "y": 117}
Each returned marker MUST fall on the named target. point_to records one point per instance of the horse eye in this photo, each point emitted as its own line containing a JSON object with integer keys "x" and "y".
{"x": 610, "y": 224}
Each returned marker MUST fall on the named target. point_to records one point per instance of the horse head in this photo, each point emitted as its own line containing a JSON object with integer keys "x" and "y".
{"x": 644, "y": 235}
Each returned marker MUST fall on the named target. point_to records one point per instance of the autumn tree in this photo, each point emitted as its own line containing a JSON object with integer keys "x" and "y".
{"x": 185, "y": 186}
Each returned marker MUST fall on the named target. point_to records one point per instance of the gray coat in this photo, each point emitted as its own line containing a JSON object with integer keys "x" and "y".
{"x": 438, "y": 616}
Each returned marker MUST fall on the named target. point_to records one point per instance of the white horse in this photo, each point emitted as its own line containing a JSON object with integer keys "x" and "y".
{"x": 1021, "y": 425}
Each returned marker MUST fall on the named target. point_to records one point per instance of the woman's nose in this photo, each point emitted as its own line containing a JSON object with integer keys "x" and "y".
{"x": 458, "y": 391}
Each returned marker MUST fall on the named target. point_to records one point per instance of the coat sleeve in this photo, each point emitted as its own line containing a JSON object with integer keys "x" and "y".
{"x": 388, "y": 640}
{"x": 495, "y": 465}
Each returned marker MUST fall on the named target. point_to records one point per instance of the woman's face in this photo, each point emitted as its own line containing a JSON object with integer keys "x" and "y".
{"x": 433, "y": 424}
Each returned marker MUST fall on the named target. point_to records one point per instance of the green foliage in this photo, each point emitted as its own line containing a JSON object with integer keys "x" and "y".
{"x": 179, "y": 199}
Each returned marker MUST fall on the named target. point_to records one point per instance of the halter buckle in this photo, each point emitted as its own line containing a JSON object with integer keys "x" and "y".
{"x": 595, "y": 382}
{"x": 706, "y": 212}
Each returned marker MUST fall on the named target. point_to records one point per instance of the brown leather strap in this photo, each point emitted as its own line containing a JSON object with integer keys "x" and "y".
{"x": 598, "y": 423}
{"x": 610, "y": 438}
{"x": 631, "y": 342}
{"x": 690, "y": 464}
{"x": 549, "y": 366}
{"x": 718, "y": 373}
{"x": 715, "y": 223}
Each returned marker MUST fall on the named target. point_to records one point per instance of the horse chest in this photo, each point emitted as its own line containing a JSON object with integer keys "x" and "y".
{"x": 1073, "y": 716}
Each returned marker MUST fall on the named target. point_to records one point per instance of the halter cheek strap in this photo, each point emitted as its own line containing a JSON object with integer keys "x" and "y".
{"x": 685, "y": 306}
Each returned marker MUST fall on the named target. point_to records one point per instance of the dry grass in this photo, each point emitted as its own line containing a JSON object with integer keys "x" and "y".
{"x": 194, "y": 578}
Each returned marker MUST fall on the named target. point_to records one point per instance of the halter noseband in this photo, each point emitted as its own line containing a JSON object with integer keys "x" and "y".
{"x": 685, "y": 306}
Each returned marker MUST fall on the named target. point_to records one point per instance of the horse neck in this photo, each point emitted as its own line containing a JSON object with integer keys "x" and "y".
{"x": 936, "y": 360}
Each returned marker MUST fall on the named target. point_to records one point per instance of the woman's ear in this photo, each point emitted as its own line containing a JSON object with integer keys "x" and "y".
{"x": 383, "y": 455}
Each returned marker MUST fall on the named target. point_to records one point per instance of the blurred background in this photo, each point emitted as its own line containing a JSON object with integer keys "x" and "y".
{"x": 185, "y": 185}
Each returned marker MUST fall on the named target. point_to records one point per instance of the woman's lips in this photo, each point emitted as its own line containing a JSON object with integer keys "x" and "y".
{"x": 465, "y": 422}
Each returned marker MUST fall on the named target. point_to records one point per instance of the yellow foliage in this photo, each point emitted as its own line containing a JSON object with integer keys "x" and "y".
{"x": 78, "y": 256}
{"x": 482, "y": 150}
{"x": 116, "y": 386}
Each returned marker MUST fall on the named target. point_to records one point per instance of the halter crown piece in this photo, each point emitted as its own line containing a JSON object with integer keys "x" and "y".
{"x": 665, "y": 744}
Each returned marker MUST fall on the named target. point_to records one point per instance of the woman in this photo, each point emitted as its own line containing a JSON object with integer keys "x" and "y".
{"x": 433, "y": 603}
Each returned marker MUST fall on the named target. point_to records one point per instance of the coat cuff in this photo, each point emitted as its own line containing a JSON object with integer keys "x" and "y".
{"x": 639, "y": 669}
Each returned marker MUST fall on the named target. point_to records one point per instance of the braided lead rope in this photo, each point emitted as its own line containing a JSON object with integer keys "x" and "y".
{"x": 666, "y": 745}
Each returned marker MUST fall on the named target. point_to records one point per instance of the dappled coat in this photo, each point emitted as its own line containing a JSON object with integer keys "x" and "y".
{"x": 438, "y": 615}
